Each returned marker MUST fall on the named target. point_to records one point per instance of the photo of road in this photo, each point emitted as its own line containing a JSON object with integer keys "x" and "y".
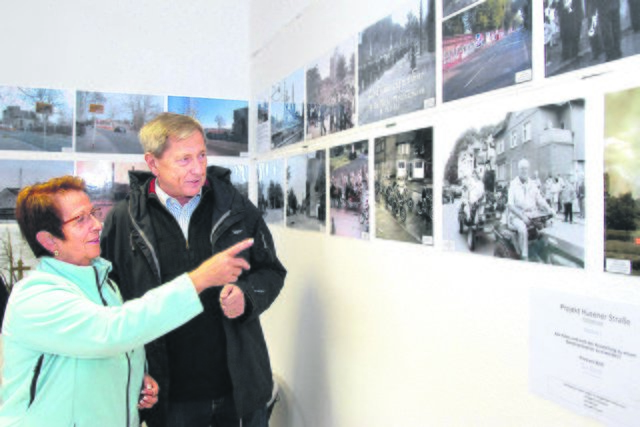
{"x": 306, "y": 191}
{"x": 271, "y": 191}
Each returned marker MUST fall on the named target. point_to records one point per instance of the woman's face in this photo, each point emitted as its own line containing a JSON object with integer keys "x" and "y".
{"x": 80, "y": 227}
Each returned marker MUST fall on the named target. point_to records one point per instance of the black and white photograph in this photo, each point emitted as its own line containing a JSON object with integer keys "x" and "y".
{"x": 396, "y": 63}
{"x": 286, "y": 110}
{"x": 110, "y": 122}
{"x": 486, "y": 47}
{"x": 514, "y": 185}
{"x": 349, "y": 190}
{"x": 306, "y": 191}
{"x": 225, "y": 122}
{"x": 584, "y": 33}
{"x": 331, "y": 91}
{"x": 263, "y": 132}
{"x": 622, "y": 182}
{"x": 271, "y": 191}
{"x": 403, "y": 168}
{"x": 36, "y": 119}
{"x": 16, "y": 257}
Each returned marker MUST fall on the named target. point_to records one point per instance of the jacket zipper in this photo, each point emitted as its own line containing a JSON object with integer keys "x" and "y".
{"x": 222, "y": 225}
{"x": 34, "y": 381}
{"x": 149, "y": 246}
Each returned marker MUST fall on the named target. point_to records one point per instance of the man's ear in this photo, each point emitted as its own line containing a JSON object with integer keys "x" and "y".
{"x": 151, "y": 162}
{"x": 47, "y": 240}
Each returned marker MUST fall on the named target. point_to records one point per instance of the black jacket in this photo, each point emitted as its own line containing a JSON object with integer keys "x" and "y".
{"x": 128, "y": 241}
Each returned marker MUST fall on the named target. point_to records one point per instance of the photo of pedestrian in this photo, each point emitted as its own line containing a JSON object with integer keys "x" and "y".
{"x": 584, "y": 33}
{"x": 510, "y": 185}
{"x": 263, "y": 133}
{"x": 36, "y": 119}
{"x": 396, "y": 63}
{"x": 331, "y": 91}
{"x": 110, "y": 122}
{"x": 486, "y": 47}
{"x": 271, "y": 191}
{"x": 403, "y": 174}
{"x": 306, "y": 191}
{"x": 349, "y": 190}
{"x": 286, "y": 110}
{"x": 225, "y": 122}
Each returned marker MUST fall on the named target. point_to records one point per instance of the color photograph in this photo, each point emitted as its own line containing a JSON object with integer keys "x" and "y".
{"x": 403, "y": 168}
{"x": 514, "y": 185}
{"x": 36, "y": 119}
{"x": 486, "y": 47}
{"x": 263, "y": 134}
{"x": 396, "y": 63}
{"x": 286, "y": 110}
{"x": 110, "y": 122}
{"x": 331, "y": 91}
{"x": 306, "y": 192}
{"x": 271, "y": 191}
{"x": 225, "y": 122}
{"x": 349, "y": 190}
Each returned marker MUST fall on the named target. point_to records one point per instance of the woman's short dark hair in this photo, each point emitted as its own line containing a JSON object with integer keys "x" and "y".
{"x": 36, "y": 209}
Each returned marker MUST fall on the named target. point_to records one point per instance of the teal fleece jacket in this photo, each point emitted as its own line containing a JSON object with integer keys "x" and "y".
{"x": 73, "y": 352}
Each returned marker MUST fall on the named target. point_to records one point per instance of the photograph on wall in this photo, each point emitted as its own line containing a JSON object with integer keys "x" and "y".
{"x": 286, "y": 110}
{"x": 396, "y": 63}
{"x": 271, "y": 191}
{"x": 306, "y": 191}
{"x": 16, "y": 257}
{"x": 225, "y": 122}
{"x": 36, "y": 119}
{"x": 514, "y": 185}
{"x": 583, "y": 33}
{"x": 263, "y": 133}
{"x": 449, "y": 7}
{"x": 110, "y": 122}
{"x": 239, "y": 175}
{"x": 349, "y": 190}
{"x": 622, "y": 182}
{"x": 403, "y": 169}
{"x": 486, "y": 47}
{"x": 331, "y": 91}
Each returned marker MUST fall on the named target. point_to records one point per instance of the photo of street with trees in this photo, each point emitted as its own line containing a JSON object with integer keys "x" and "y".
{"x": 271, "y": 191}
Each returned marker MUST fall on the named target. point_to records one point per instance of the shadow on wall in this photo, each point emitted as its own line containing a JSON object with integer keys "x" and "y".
{"x": 305, "y": 399}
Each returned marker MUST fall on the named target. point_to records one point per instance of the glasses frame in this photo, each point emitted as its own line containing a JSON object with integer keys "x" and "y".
{"x": 94, "y": 212}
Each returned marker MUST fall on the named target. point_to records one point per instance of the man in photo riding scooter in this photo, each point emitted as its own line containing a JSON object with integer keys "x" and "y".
{"x": 525, "y": 201}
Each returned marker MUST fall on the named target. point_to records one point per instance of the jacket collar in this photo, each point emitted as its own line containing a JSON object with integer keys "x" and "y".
{"x": 75, "y": 273}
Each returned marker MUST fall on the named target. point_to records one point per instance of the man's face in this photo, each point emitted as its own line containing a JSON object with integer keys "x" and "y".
{"x": 181, "y": 170}
{"x": 523, "y": 172}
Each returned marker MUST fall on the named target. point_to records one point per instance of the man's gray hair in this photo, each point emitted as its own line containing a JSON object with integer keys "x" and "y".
{"x": 154, "y": 135}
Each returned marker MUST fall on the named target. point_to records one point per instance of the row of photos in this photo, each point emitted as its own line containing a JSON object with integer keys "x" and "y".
{"x": 390, "y": 67}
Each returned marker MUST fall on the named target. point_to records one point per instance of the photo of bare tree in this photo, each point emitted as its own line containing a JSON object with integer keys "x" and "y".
{"x": 286, "y": 110}
{"x": 225, "y": 122}
{"x": 306, "y": 191}
{"x": 36, "y": 119}
{"x": 110, "y": 122}
{"x": 271, "y": 194}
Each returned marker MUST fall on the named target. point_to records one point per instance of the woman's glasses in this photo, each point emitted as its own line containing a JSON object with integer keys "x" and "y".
{"x": 85, "y": 218}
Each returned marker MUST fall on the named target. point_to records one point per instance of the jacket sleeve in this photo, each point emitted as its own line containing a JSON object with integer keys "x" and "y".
{"x": 52, "y": 316}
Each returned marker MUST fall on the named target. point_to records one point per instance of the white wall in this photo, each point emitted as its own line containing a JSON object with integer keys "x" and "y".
{"x": 379, "y": 333}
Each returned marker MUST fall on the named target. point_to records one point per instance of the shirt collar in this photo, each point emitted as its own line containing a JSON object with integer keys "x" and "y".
{"x": 165, "y": 198}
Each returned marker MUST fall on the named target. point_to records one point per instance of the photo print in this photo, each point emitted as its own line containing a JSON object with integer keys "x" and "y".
{"x": 239, "y": 175}
{"x": 396, "y": 63}
{"x": 514, "y": 185}
{"x": 622, "y": 182}
{"x": 110, "y": 122}
{"x": 403, "y": 168}
{"x": 331, "y": 91}
{"x": 36, "y": 119}
{"x": 306, "y": 191}
{"x": 583, "y": 33}
{"x": 263, "y": 134}
{"x": 271, "y": 191}
{"x": 485, "y": 46}
{"x": 16, "y": 257}
{"x": 225, "y": 122}
{"x": 349, "y": 190}
{"x": 286, "y": 110}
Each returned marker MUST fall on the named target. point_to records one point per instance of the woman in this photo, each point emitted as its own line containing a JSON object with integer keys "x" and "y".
{"x": 73, "y": 352}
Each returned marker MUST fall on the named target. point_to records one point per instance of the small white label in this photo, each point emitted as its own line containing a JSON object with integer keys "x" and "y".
{"x": 427, "y": 240}
{"x": 620, "y": 266}
{"x": 449, "y": 245}
{"x": 429, "y": 103}
{"x": 364, "y": 235}
{"x": 523, "y": 76}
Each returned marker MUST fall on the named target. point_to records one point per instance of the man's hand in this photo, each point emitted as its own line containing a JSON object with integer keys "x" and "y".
{"x": 149, "y": 392}
{"x": 222, "y": 268}
{"x": 232, "y": 301}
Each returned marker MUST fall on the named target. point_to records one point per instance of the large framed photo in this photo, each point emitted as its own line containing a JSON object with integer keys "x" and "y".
{"x": 36, "y": 119}
{"x": 396, "y": 63}
{"x": 110, "y": 122}
{"x": 514, "y": 185}
{"x": 486, "y": 45}
{"x": 306, "y": 191}
{"x": 271, "y": 191}
{"x": 286, "y": 110}
{"x": 403, "y": 170}
{"x": 225, "y": 122}
{"x": 349, "y": 190}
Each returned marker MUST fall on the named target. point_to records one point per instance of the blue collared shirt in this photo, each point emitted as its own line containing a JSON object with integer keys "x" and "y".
{"x": 181, "y": 213}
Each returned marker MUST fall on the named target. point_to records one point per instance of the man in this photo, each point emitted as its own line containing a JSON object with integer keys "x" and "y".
{"x": 525, "y": 200}
{"x": 214, "y": 370}
{"x": 471, "y": 196}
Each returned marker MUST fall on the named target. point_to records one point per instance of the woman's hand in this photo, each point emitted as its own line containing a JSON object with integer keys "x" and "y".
{"x": 149, "y": 392}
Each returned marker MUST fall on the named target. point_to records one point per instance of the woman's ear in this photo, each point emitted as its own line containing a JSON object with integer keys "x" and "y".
{"x": 47, "y": 240}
